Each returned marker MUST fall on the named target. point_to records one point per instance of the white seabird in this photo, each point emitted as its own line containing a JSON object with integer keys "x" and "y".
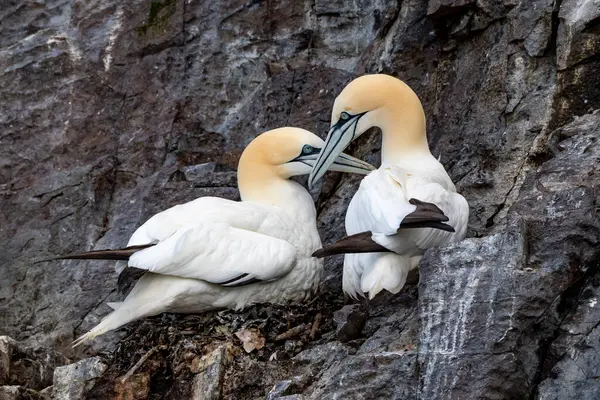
{"x": 409, "y": 175}
{"x": 212, "y": 253}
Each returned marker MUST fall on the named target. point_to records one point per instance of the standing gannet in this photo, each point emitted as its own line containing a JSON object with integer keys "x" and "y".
{"x": 213, "y": 253}
{"x": 408, "y": 176}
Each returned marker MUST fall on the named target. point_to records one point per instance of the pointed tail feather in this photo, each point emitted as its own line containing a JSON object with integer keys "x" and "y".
{"x": 117, "y": 255}
{"x": 427, "y": 215}
{"x": 389, "y": 272}
{"x": 120, "y": 316}
{"x": 114, "y": 304}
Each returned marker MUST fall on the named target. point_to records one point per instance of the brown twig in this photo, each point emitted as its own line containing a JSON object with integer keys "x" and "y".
{"x": 140, "y": 362}
{"x": 315, "y": 326}
{"x": 290, "y": 333}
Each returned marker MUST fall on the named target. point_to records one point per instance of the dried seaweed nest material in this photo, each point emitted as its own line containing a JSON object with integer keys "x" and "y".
{"x": 172, "y": 348}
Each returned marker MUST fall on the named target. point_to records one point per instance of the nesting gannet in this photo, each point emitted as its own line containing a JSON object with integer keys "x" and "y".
{"x": 213, "y": 253}
{"x": 409, "y": 175}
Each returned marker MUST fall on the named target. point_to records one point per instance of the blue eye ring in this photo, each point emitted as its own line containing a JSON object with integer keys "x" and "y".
{"x": 307, "y": 149}
{"x": 344, "y": 116}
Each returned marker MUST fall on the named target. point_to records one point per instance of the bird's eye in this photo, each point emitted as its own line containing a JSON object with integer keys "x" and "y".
{"x": 307, "y": 149}
{"x": 345, "y": 116}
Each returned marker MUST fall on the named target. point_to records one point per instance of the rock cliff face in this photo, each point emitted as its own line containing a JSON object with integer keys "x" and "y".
{"x": 111, "y": 111}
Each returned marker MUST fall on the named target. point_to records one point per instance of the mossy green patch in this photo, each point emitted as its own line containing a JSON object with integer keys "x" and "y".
{"x": 159, "y": 16}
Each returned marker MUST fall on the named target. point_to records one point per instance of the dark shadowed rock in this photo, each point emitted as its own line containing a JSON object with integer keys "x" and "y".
{"x": 135, "y": 387}
{"x": 20, "y": 393}
{"x": 350, "y": 321}
{"x": 31, "y": 368}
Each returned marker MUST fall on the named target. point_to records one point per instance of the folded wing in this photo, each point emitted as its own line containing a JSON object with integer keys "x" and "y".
{"x": 210, "y": 239}
{"x": 204, "y": 209}
{"x": 218, "y": 253}
{"x": 390, "y": 198}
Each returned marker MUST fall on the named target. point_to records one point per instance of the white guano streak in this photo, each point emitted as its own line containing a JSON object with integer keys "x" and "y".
{"x": 112, "y": 36}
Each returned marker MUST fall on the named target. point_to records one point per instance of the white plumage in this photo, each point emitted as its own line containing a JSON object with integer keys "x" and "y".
{"x": 213, "y": 253}
{"x": 408, "y": 171}
{"x": 379, "y": 205}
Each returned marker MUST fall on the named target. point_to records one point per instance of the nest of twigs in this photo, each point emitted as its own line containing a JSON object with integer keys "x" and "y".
{"x": 167, "y": 344}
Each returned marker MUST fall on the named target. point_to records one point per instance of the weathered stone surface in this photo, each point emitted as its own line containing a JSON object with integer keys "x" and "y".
{"x": 283, "y": 390}
{"x": 519, "y": 286}
{"x": 350, "y": 321}
{"x": 112, "y": 111}
{"x": 20, "y": 393}
{"x": 32, "y": 368}
{"x": 211, "y": 368}
{"x": 571, "y": 363}
{"x": 578, "y": 33}
{"x": 135, "y": 387}
{"x": 74, "y": 381}
{"x": 578, "y": 47}
{"x": 463, "y": 296}
{"x": 388, "y": 375}
{"x": 6, "y": 346}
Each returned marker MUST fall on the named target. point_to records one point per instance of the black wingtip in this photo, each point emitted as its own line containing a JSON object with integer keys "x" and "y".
{"x": 46, "y": 260}
{"x": 109, "y": 255}
{"x": 446, "y": 227}
{"x": 425, "y": 206}
{"x": 319, "y": 253}
{"x": 425, "y": 212}
{"x": 358, "y": 243}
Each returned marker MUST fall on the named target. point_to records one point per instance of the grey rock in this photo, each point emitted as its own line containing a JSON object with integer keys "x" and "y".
{"x": 209, "y": 381}
{"x": 577, "y": 34}
{"x": 387, "y": 375}
{"x": 466, "y": 289}
{"x": 284, "y": 390}
{"x": 460, "y": 17}
{"x": 578, "y": 46}
{"x": 73, "y": 381}
{"x": 575, "y": 375}
{"x": 47, "y": 392}
{"x": 383, "y": 367}
{"x": 512, "y": 285}
{"x": 350, "y": 321}
{"x": 395, "y": 331}
{"x": 447, "y": 6}
{"x": 6, "y": 346}
{"x": 280, "y": 389}
{"x": 325, "y": 354}
{"x": 20, "y": 393}
{"x": 32, "y": 368}
{"x": 571, "y": 363}
{"x": 292, "y": 397}
{"x": 536, "y": 43}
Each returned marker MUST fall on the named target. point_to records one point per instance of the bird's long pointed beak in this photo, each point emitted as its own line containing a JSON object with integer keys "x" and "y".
{"x": 349, "y": 164}
{"x": 339, "y": 137}
{"x": 342, "y": 163}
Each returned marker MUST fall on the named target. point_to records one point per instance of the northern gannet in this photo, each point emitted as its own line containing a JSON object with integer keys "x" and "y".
{"x": 409, "y": 175}
{"x": 213, "y": 253}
